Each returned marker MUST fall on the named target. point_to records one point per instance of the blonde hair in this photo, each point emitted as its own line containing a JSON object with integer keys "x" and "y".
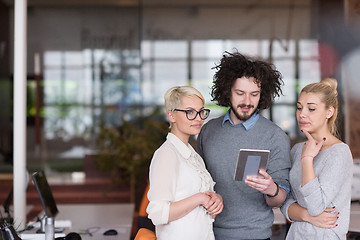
{"x": 327, "y": 89}
{"x": 174, "y": 95}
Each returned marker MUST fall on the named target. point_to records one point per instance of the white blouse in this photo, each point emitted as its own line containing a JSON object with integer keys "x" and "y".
{"x": 178, "y": 172}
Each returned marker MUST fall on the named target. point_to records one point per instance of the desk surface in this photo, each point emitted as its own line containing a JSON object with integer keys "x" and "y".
{"x": 97, "y": 215}
{"x": 278, "y": 216}
{"x": 97, "y": 218}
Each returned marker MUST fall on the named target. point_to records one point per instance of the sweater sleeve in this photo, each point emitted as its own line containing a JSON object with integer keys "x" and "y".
{"x": 320, "y": 192}
{"x": 163, "y": 177}
{"x": 291, "y": 198}
{"x": 284, "y": 208}
{"x": 279, "y": 162}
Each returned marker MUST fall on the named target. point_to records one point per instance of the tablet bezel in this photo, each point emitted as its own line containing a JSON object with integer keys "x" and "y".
{"x": 243, "y": 160}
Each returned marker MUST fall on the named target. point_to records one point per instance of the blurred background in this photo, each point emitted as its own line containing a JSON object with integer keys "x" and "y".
{"x": 95, "y": 65}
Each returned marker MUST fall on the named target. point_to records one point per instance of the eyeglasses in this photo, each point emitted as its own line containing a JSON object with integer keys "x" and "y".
{"x": 192, "y": 114}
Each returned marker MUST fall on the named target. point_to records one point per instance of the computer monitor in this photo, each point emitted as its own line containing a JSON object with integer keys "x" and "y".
{"x": 46, "y": 197}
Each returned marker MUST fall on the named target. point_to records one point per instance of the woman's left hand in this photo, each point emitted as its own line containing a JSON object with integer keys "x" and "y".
{"x": 327, "y": 219}
{"x": 215, "y": 206}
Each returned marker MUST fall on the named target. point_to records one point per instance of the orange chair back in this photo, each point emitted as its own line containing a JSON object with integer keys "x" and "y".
{"x": 144, "y": 203}
{"x": 145, "y": 234}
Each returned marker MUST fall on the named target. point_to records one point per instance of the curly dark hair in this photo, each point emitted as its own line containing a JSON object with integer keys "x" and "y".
{"x": 235, "y": 65}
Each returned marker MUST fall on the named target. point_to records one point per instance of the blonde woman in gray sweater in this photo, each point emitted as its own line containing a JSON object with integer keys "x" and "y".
{"x": 320, "y": 177}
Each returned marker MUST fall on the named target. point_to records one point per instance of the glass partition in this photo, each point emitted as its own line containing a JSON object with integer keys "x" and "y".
{"x": 104, "y": 65}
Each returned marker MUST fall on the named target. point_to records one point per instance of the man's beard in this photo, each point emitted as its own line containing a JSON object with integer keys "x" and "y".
{"x": 244, "y": 117}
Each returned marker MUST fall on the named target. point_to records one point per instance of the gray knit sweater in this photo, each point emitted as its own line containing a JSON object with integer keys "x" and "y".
{"x": 246, "y": 214}
{"x": 331, "y": 187}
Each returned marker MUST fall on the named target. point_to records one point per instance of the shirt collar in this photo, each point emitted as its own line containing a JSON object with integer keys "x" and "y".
{"x": 184, "y": 150}
{"x": 248, "y": 124}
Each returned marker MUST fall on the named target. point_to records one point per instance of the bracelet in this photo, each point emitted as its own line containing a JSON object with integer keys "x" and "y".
{"x": 277, "y": 191}
{"x": 307, "y": 156}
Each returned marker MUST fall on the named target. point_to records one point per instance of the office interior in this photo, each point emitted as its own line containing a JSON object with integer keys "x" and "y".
{"x": 95, "y": 68}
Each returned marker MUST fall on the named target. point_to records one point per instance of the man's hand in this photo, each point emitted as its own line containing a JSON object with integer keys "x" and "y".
{"x": 263, "y": 183}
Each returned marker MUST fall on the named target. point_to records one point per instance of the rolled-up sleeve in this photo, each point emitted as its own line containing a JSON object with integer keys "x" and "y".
{"x": 163, "y": 176}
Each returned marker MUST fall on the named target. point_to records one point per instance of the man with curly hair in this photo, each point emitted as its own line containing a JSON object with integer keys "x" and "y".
{"x": 246, "y": 85}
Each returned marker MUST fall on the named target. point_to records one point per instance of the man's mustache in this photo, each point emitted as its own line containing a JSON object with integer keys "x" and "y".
{"x": 245, "y": 106}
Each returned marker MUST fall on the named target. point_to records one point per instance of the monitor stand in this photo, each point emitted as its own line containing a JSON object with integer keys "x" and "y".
{"x": 43, "y": 222}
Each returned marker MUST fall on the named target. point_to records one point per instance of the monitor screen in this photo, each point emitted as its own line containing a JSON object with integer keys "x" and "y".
{"x": 46, "y": 197}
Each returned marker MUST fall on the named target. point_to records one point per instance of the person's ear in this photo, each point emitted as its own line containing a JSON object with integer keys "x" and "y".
{"x": 330, "y": 112}
{"x": 170, "y": 115}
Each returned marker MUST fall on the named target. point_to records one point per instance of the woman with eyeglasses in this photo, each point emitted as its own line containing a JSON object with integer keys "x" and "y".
{"x": 183, "y": 203}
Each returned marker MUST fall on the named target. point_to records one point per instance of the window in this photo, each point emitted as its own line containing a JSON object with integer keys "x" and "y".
{"x": 170, "y": 63}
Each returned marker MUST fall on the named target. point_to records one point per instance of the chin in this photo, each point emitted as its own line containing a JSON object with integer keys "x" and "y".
{"x": 245, "y": 117}
{"x": 195, "y": 131}
{"x": 307, "y": 129}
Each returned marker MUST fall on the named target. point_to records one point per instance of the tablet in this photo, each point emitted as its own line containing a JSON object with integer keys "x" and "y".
{"x": 249, "y": 162}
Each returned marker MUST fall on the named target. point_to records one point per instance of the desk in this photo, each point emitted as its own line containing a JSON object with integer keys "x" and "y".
{"x": 100, "y": 217}
{"x": 278, "y": 217}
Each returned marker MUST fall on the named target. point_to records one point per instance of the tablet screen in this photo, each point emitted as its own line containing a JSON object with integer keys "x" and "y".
{"x": 249, "y": 162}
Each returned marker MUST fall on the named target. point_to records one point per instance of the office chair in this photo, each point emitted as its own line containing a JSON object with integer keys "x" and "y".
{"x": 145, "y": 234}
{"x": 143, "y": 220}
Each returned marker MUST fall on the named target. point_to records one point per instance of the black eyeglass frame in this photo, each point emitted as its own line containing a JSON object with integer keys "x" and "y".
{"x": 197, "y": 113}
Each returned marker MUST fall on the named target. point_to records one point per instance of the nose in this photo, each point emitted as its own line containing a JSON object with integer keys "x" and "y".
{"x": 197, "y": 117}
{"x": 247, "y": 99}
{"x": 301, "y": 114}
